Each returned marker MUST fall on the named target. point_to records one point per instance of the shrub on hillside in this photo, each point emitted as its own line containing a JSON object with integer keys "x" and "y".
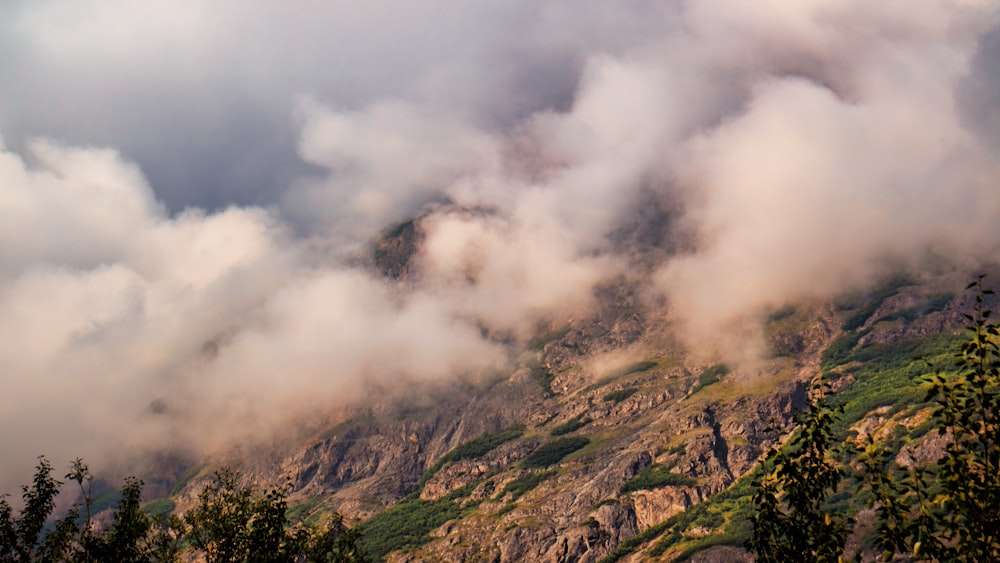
{"x": 554, "y": 452}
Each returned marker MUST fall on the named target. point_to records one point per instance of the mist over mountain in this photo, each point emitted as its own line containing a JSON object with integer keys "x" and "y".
{"x": 190, "y": 192}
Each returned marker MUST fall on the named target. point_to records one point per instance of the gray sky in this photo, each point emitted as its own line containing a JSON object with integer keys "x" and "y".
{"x": 203, "y": 95}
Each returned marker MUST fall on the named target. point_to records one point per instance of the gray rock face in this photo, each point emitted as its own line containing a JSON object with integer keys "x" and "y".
{"x": 712, "y": 433}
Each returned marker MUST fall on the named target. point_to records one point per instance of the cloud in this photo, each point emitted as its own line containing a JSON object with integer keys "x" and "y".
{"x": 384, "y": 163}
{"x": 824, "y": 183}
{"x": 508, "y": 274}
{"x": 214, "y": 84}
{"x": 103, "y": 297}
{"x": 198, "y": 282}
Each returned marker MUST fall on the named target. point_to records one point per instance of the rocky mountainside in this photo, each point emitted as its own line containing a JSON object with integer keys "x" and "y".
{"x": 606, "y": 437}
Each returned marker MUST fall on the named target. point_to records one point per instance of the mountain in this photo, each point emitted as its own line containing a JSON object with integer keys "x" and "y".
{"x": 607, "y": 439}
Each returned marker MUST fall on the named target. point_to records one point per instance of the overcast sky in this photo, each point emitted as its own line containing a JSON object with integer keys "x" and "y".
{"x": 185, "y": 186}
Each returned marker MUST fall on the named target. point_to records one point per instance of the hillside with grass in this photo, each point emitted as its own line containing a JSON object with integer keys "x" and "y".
{"x": 652, "y": 457}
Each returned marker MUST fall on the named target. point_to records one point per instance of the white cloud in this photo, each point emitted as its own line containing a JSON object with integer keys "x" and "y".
{"x": 810, "y": 146}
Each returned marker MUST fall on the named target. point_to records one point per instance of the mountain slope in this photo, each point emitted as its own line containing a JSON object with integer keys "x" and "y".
{"x": 606, "y": 437}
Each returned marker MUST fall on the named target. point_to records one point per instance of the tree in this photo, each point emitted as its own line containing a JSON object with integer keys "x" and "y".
{"x": 790, "y": 522}
{"x": 336, "y": 544}
{"x": 943, "y": 510}
{"x": 125, "y": 541}
{"x": 21, "y": 537}
{"x": 950, "y": 509}
{"x": 233, "y": 521}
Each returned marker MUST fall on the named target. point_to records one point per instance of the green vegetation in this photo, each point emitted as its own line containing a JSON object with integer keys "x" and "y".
{"x": 728, "y": 510}
{"x": 709, "y": 376}
{"x": 707, "y": 515}
{"x": 184, "y": 478}
{"x": 537, "y": 344}
{"x": 301, "y": 511}
{"x": 231, "y": 522}
{"x": 790, "y": 522}
{"x": 656, "y": 476}
{"x": 882, "y": 375}
{"x": 525, "y": 483}
{"x": 553, "y": 452}
{"x": 630, "y": 545}
{"x": 475, "y": 449}
{"x": 840, "y": 350}
{"x": 543, "y": 376}
{"x": 234, "y": 522}
{"x": 484, "y": 444}
{"x": 405, "y": 524}
{"x": 891, "y": 375}
{"x": 934, "y": 509}
{"x": 947, "y": 510}
{"x": 620, "y": 395}
{"x": 159, "y": 507}
{"x": 571, "y": 425}
{"x": 409, "y": 522}
{"x": 858, "y": 319}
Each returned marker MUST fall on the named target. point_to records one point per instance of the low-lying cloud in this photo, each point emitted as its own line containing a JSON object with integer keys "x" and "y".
{"x": 198, "y": 282}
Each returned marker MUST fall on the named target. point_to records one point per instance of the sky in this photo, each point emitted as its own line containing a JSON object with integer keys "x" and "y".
{"x": 188, "y": 189}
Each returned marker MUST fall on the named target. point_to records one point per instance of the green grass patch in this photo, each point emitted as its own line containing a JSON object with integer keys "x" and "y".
{"x": 408, "y": 523}
{"x": 159, "y": 507}
{"x": 620, "y": 395}
{"x": 607, "y": 501}
{"x": 858, "y": 319}
{"x": 553, "y": 452}
{"x": 104, "y": 497}
{"x": 656, "y": 476}
{"x": 299, "y": 512}
{"x": 630, "y": 545}
{"x": 527, "y": 482}
{"x": 537, "y": 344}
{"x": 710, "y": 375}
{"x": 732, "y": 538}
{"x": 184, "y": 478}
{"x": 841, "y": 349}
{"x": 726, "y": 513}
{"x": 474, "y": 449}
{"x": 892, "y": 374}
{"x": 885, "y": 374}
{"x": 571, "y": 425}
{"x": 463, "y": 491}
{"x": 543, "y": 376}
